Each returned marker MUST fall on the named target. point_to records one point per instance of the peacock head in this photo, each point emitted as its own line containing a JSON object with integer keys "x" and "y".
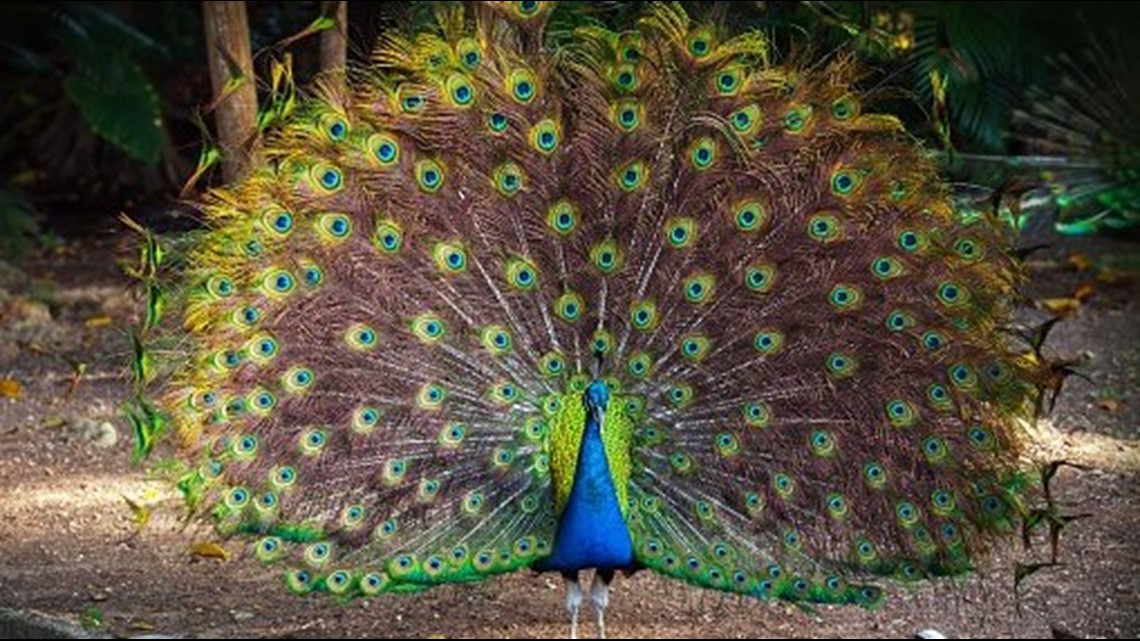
{"x": 596, "y": 398}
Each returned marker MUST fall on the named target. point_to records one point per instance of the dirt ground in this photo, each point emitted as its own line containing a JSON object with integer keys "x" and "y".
{"x": 69, "y": 548}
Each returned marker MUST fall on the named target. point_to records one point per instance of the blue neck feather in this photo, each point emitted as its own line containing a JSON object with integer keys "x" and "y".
{"x": 591, "y": 530}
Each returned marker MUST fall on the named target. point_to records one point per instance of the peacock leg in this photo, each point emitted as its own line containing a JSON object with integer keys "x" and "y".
{"x": 573, "y": 600}
{"x": 600, "y": 597}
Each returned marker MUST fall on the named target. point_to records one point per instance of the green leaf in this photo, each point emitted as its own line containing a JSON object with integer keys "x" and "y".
{"x": 984, "y": 58}
{"x": 122, "y": 107}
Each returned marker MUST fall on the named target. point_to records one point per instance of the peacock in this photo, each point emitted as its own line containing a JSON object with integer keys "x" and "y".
{"x": 522, "y": 298}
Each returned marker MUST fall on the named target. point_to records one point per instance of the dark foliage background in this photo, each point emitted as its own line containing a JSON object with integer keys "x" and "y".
{"x": 101, "y": 103}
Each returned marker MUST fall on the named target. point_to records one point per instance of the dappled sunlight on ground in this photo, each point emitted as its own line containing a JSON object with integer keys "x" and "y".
{"x": 70, "y": 543}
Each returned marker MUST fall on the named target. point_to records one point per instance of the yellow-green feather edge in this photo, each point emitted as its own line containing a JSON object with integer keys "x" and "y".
{"x": 566, "y": 427}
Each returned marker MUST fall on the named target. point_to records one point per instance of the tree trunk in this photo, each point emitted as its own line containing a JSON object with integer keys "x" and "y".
{"x": 334, "y": 42}
{"x": 231, "y": 61}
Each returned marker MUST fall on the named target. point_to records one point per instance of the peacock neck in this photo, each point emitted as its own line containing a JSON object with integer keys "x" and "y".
{"x": 591, "y": 529}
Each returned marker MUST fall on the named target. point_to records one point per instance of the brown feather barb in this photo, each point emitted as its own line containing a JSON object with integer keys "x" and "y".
{"x": 377, "y": 353}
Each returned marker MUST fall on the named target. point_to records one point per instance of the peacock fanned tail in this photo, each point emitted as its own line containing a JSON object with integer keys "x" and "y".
{"x": 371, "y": 363}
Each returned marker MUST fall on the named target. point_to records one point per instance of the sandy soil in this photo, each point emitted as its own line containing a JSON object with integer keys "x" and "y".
{"x": 69, "y": 548}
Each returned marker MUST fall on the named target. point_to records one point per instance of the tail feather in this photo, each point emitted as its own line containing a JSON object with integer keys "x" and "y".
{"x": 373, "y": 352}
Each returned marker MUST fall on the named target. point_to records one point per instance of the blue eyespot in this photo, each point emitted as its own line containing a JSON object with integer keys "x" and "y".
{"x": 330, "y": 179}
